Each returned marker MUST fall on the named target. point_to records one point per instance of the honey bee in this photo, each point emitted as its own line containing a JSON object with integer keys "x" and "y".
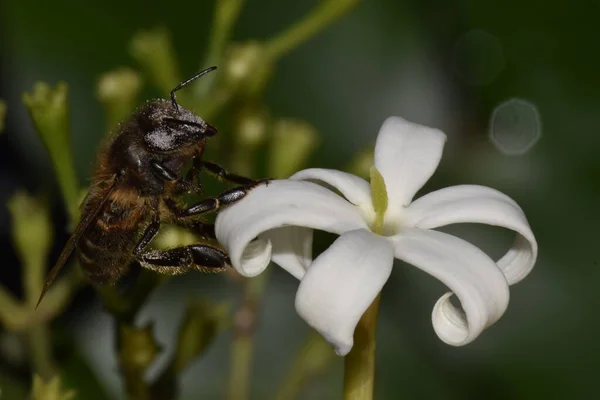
{"x": 137, "y": 185}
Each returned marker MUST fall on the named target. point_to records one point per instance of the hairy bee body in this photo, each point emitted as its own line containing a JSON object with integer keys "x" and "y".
{"x": 137, "y": 185}
{"x": 106, "y": 247}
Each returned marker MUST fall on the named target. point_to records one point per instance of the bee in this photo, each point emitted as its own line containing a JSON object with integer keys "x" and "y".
{"x": 137, "y": 185}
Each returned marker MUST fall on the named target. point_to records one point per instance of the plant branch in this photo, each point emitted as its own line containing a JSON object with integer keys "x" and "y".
{"x": 244, "y": 326}
{"x": 224, "y": 18}
{"x": 323, "y": 15}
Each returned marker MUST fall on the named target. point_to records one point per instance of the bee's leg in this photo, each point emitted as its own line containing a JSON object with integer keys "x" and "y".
{"x": 204, "y": 230}
{"x": 200, "y": 228}
{"x": 226, "y": 198}
{"x": 164, "y": 172}
{"x": 201, "y": 257}
{"x": 223, "y": 175}
{"x": 188, "y": 184}
{"x": 149, "y": 234}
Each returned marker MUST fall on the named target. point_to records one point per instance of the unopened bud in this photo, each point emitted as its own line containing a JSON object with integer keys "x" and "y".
{"x": 247, "y": 68}
{"x": 199, "y": 328}
{"x": 31, "y": 228}
{"x": 250, "y": 131}
{"x": 292, "y": 143}
{"x": 138, "y": 348}
{"x": 118, "y": 91}
{"x": 362, "y": 162}
{"x": 251, "y": 127}
{"x": 50, "y": 390}
{"x": 49, "y": 111}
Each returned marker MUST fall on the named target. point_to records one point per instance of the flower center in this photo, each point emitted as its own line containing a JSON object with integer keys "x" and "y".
{"x": 380, "y": 200}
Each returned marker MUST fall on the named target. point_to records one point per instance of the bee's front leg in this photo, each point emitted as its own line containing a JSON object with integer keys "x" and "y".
{"x": 226, "y": 198}
{"x": 224, "y": 175}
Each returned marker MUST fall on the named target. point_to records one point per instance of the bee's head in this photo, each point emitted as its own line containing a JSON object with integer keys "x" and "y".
{"x": 170, "y": 128}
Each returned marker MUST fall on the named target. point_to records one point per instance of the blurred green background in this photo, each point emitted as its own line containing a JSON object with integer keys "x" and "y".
{"x": 457, "y": 66}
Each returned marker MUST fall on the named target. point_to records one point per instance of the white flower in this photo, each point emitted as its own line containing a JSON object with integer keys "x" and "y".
{"x": 339, "y": 285}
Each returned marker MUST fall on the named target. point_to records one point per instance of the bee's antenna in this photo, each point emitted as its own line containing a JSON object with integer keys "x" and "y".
{"x": 184, "y": 83}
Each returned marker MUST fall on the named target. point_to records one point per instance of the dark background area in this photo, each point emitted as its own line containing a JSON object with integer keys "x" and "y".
{"x": 451, "y": 65}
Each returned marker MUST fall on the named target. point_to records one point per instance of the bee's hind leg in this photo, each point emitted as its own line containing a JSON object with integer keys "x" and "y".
{"x": 201, "y": 257}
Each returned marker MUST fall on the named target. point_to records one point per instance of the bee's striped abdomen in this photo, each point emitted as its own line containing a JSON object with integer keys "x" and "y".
{"x": 106, "y": 248}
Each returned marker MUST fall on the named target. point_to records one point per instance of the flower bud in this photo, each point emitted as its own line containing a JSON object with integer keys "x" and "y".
{"x": 154, "y": 51}
{"x": 250, "y": 130}
{"x": 49, "y": 111}
{"x": 137, "y": 347}
{"x": 251, "y": 126}
{"x": 199, "y": 328}
{"x": 292, "y": 143}
{"x": 118, "y": 91}
{"x": 247, "y": 68}
{"x": 31, "y": 229}
{"x": 50, "y": 390}
{"x": 361, "y": 163}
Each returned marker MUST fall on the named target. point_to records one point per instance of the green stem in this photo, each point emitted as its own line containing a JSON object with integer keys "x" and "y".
{"x": 325, "y": 13}
{"x": 12, "y": 314}
{"x": 38, "y": 335}
{"x": 125, "y": 307}
{"x": 225, "y": 16}
{"x": 65, "y": 173}
{"x": 313, "y": 359}
{"x": 242, "y": 348}
{"x": 359, "y": 364}
{"x": 239, "y": 381}
{"x": 40, "y": 349}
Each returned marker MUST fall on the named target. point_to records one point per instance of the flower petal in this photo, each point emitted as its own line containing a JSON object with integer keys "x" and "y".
{"x": 406, "y": 155}
{"x": 279, "y": 204}
{"x": 342, "y": 283}
{"x": 292, "y": 248}
{"x": 352, "y": 187}
{"x": 469, "y": 272}
{"x": 479, "y": 204}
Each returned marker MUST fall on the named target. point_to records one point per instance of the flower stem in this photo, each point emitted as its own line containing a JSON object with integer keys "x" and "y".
{"x": 241, "y": 360}
{"x": 40, "y": 349}
{"x": 323, "y": 15}
{"x": 359, "y": 364}
{"x": 244, "y": 327}
{"x": 313, "y": 359}
{"x": 225, "y": 16}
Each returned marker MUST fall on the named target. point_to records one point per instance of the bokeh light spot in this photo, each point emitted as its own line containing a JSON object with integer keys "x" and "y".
{"x": 515, "y": 126}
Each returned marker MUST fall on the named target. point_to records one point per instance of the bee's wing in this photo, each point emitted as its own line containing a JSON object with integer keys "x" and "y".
{"x": 72, "y": 242}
